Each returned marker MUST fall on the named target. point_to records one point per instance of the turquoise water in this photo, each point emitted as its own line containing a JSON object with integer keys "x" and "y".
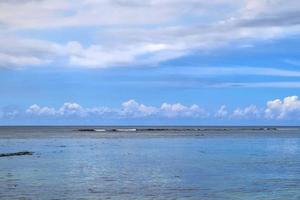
{"x": 219, "y": 167}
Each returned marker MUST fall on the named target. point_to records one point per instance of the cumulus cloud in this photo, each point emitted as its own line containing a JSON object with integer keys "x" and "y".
{"x": 72, "y": 109}
{"x": 38, "y": 110}
{"x": 179, "y": 110}
{"x": 222, "y": 112}
{"x": 66, "y": 110}
{"x": 288, "y": 108}
{"x": 248, "y": 112}
{"x": 128, "y": 109}
{"x": 135, "y": 109}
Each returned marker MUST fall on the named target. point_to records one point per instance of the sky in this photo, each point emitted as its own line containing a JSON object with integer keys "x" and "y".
{"x": 150, "y": 62}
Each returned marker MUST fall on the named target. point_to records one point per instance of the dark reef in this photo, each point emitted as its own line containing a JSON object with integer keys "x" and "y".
{"x": 21, "y": 153}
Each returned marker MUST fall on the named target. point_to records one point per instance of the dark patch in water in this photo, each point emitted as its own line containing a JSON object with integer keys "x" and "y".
{"x": 21, "y": 153}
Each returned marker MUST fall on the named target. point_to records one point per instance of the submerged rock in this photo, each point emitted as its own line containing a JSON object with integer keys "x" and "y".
{"x": 21, "y": 153}
{"x": 86, "y": 129}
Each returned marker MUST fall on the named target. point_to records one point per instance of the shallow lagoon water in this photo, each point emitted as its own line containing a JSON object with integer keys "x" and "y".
{"x": 219, "y": 167}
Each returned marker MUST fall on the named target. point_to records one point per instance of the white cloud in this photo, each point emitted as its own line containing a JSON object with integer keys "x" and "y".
{"x": 20, "y": 52}
{"x": 129, "y": 109}
{"x": 97, "y": 56}
{"x": 248, "y": 112}
{"x": 13, "y": 60}
{"x": 42, "y": 111}
{"x": 288, "y": 108}
{"x": 179, "y": 110}
{"x": 222, "y": 112}
{"x": 66, "y": 110}
{"x": 70, "y": 109}
{"x": 134, "y": 109}
{"x": 63, "y": 13}
{"x": 137, "y": 32}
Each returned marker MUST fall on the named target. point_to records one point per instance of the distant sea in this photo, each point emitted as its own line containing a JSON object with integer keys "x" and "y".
{"x": 201, "y": 163}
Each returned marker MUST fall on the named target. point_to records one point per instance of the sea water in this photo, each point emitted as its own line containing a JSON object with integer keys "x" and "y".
{"x": 227, "y": 164}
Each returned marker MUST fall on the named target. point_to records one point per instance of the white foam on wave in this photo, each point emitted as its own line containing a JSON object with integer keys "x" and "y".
{"x": 126, "y": 129}
{"x": 100, "y": 130}
{"x": 288, "y": 129}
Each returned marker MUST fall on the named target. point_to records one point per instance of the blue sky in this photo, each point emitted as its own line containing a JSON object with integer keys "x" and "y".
{"x": 149, "y": 62}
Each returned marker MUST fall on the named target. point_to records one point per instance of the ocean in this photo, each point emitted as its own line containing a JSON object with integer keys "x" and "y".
{"x": 201, "y": 163}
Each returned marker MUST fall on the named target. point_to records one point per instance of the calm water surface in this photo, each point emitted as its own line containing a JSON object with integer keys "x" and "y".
{"x": 228, "y": 166}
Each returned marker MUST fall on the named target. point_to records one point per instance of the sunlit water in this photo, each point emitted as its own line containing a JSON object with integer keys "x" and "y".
{"x": 220, "y": 167}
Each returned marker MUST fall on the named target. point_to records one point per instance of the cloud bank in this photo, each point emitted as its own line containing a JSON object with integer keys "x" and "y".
{"x": 286, "y": 109}
{"x": 128, "y": 109}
